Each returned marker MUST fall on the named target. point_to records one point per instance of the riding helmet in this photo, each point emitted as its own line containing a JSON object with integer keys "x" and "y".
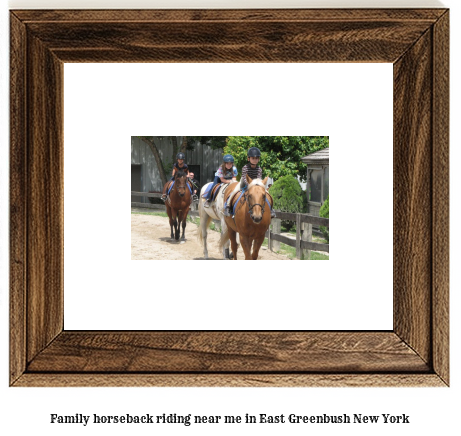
{"x": 254, "y": 152}
{"x": 228, "y": 158}
{"x": 181, "y": 156}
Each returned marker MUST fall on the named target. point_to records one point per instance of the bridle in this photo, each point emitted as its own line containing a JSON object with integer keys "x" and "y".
{"x": 251, "y": 206}
{"x": 184, "y": 187}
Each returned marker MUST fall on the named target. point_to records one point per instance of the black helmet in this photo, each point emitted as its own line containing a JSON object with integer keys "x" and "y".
{"x": 181, "y": 156}
{"x": 254, "y": 152}
{"x": 228, "y": 158}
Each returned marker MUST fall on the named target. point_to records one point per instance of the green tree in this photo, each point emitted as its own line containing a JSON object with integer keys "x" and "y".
{"x": 288, "y": 197}
{"x": 325, "y": 213}
{"x": 280, "y": 155}
{"x": 215, "y": 142}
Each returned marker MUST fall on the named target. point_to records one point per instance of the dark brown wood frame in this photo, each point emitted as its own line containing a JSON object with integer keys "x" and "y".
{"x": 414, "y": 353}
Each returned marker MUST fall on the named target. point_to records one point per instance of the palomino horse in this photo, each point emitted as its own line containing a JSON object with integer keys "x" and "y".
{"x": 251, "y": 219}
{"x": 214, "y": 212}
{"x": 178, "y": 204}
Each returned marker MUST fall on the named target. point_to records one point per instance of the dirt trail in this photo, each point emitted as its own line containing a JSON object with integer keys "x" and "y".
{"x": 150, "y": 240}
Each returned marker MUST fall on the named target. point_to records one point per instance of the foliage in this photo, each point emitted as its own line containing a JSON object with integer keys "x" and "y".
{"x": 215, "y": 142}
{"x": 288, "y": 197}
{"x": 319, "y": 256}
{"x": 280, "y": 155}
{"x": 325, "y": 213}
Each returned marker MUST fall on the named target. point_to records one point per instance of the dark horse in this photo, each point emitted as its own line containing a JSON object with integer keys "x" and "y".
{"x": 178, "y": 204}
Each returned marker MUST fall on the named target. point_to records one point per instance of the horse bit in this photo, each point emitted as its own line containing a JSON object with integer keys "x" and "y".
{"x": 250, "y": 207}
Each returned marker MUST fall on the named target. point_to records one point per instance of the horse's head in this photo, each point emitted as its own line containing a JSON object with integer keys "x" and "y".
{"x": 180, "y": 182}
{"x": 256, "y": 198}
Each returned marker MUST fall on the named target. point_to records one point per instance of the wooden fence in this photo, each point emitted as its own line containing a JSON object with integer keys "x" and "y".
{"x": 193, "y": 211}
{"x": 303, "y": 242}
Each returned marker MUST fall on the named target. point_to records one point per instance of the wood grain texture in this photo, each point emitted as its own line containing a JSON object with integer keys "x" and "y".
{"x": 224, "y": 351}
{"x": 205, "y": 15}
{"x": 441, "y": 193}
{"x": 413, "y": 196}
{"x": 359, "y": 41}
{"x": 18, "y": 192}
{"x": 414, "y": 354}
{"x": 45, "y": 197}
{"x": 230, "y": 380}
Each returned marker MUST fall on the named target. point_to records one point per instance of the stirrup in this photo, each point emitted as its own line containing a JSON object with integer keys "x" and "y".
{"x": 207, "y": 203}
{"x": 273, "y": 214}
{"x": 163, "y": 197}
{"x": 226, "y": 212}
{"x": 194, "y": 198}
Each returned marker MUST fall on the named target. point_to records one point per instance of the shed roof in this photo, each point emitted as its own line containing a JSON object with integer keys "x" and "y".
{"x": 321, "y": 156}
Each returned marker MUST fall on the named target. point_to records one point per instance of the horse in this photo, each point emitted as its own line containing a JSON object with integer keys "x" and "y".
{"x": 178, "y": 204}
{"x": 214, "y": 212}
{"x": 251, "y": 218}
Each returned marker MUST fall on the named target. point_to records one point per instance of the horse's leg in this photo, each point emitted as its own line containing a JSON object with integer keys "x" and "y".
{"x": 204, "y": 227}
{"x": 245, "y": 241}
{"x": 256, "y": 246}
{"x": 175, "y": 224}
{"x": 169, "y": 212}
{"x": 177, "y": 229}
{"x": 184, "y": 222}
{"x": 225, "y": 248}
{"x": 205, "y": 221}
{"x": 233, "y": 241}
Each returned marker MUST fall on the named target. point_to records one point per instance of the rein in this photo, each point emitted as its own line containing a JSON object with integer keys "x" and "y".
{"x": 176, "y": 186}
{"x": 250, "y": 207}
{"x": 244, "y": 197}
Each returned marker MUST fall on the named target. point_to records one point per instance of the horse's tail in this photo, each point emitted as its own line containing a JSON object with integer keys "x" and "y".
{"x": 205, "y": 221}
{"x": 224, "y": 236}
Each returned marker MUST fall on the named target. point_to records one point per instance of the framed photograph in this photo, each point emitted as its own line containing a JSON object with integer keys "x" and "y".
{"x": 415, "y": 352}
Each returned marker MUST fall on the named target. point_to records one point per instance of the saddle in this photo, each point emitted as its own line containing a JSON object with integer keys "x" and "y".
{"x": 216, "y": 189}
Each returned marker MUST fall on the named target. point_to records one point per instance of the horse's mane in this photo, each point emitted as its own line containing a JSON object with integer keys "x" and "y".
{"x": 256, "y": 182}
{"x": 180, "y": 173}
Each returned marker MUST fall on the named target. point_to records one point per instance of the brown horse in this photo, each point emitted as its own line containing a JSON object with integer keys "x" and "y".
{"x": 178, "y": 204}
{"x": 251, "y": 219}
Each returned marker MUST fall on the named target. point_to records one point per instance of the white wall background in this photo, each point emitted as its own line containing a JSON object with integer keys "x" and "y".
{"x": 351, "y": 103}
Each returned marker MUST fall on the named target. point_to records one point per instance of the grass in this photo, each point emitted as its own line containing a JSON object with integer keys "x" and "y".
{"x": 319, "y": 239}
{"x": 291, "y": 251}
{"x": 319, "y": 256}
{"x": 162, "y": 214}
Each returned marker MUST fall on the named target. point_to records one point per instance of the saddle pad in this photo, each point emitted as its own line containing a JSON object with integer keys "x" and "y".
{"x": 207, "y": 190}
{"x": 215, "y": 191}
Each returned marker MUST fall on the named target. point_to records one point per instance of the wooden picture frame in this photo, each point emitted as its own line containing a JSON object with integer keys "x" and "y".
{"x": 414, "y": 353}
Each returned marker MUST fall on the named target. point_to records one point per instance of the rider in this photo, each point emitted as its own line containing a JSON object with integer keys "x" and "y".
{"x": 178, "y": 165}
{"x": 226, "y": 173}
{"x": 254, "y": 171}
